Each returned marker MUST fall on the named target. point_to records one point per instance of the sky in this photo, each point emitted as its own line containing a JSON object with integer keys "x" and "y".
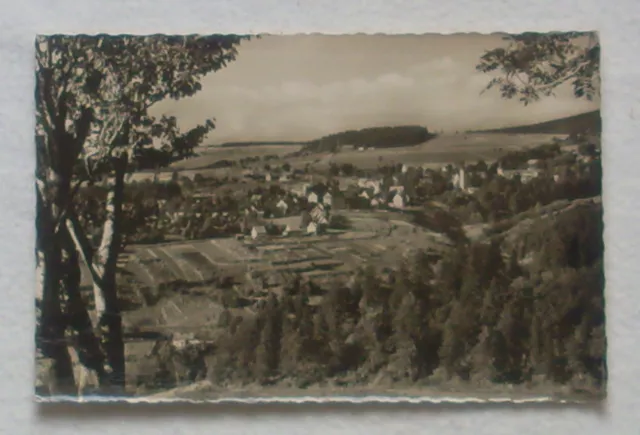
{"x": 301, "y": 87}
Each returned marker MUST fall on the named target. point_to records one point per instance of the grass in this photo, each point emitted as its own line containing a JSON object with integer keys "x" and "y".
{"x": 211, "y": 155}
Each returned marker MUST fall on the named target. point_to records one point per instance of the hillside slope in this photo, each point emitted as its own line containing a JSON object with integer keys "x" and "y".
{"x": 572, "y": 124}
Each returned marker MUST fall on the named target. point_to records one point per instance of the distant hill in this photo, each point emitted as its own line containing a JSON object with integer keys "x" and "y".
{"x": 373, "y": 137}
{"x": 249, "y": 144}
{"x": 570, "y": 125}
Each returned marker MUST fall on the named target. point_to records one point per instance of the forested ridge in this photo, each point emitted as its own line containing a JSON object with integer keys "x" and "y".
{"x": 534, "y": 317}
{"x": 373, "y": 137}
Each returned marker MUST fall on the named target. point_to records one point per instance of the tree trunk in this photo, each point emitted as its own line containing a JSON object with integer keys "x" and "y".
{"x": 88, "y": 350}
{"x": 57, "y": 152}
{"x": 51, "y": 323}
{"x": 105, "y": 262}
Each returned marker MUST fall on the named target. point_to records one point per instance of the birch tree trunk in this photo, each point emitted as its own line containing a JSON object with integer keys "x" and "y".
{"x": 105, "y": 262}
{"x": 88, "y": 349}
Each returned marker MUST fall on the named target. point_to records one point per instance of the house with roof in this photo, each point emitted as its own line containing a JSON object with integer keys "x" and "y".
{"x": 397, "y": 201}
{"x": 282, "y": 207}
{"x": 398, "y": 197}
{"x": 299, "y": 189}
{"x": 534, "y": 163}
{"x": 376, "y": 185}
{"x": 312, "y": 228}
{"x": 258, "y": 231}
{"x": 312, "y": 198}
{"x": 318, "y": 214}
{"x": 327, "y": 199}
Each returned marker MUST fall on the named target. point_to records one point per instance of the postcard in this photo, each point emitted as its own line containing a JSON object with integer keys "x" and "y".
{"x": 319, "y": 217}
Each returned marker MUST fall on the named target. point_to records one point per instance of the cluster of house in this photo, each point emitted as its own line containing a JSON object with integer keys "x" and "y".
{"x": 378, "y": 191}
{"x": 527, "y": 174}
{"x": 312, "y": 222}
{"x": 372, "y": 190}
{"x": 580, "y": 157}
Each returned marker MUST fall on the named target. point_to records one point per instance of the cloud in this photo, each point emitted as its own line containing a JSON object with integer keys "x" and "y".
{"x": 441, "y": 93}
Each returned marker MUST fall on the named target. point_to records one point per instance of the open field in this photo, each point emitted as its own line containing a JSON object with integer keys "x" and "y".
{"x": 210, "y": 155}
{"x": 436, "y": 152}
{"x": 376, "y": 238}
{"x": 327, "y": 255}
{"x": 441, "y": 150}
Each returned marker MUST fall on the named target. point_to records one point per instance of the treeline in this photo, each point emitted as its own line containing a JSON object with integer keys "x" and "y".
{"x": 255, "y": 143}
{"x": 518, "y": 159}
{"x": 474, "y": 316}
{"x": 374, "y": 137}
{"x": 155, "y": 210}
{"x": 590, "y": 121}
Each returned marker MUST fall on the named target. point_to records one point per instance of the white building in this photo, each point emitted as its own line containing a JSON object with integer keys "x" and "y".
{"x": 312, "y": 228}
{"x": 532, "y": 163}
{"x": 312, "y": 198}
{"x": 282, "y": 206}
{"x": 375, "y": 185}
{"x": 398, "y": 201}
{"x": 327, "y": 199}
{"x": 257, "y": 232}
{"x": 267, "y": 177}
{"x": 319, "y": 215}
{"x": 462, "y": 179}
{"x": 404, "y": 169}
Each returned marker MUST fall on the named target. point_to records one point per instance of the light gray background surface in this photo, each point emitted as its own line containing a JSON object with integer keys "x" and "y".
{"x": 618, "y": 23}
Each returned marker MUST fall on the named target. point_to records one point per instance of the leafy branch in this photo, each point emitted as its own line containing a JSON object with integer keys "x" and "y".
{"x": 534, "y": 65}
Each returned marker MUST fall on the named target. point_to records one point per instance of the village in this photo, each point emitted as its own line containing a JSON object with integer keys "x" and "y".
{"x": 261, "y": 198}
{"x": 276, "y": 224}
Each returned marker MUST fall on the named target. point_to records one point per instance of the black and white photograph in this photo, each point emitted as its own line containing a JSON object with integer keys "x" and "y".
{"x": 311, "y": 215}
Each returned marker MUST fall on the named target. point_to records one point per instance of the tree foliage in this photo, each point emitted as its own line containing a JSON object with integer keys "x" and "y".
{"x": 477, "y": 318}
{"x": 534, "y": 65}
{"x": 374, "y": 137}
{"x": 92, "y": 99}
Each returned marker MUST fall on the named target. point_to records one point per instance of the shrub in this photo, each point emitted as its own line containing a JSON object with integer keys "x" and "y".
{"x": 340, "y": 222}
